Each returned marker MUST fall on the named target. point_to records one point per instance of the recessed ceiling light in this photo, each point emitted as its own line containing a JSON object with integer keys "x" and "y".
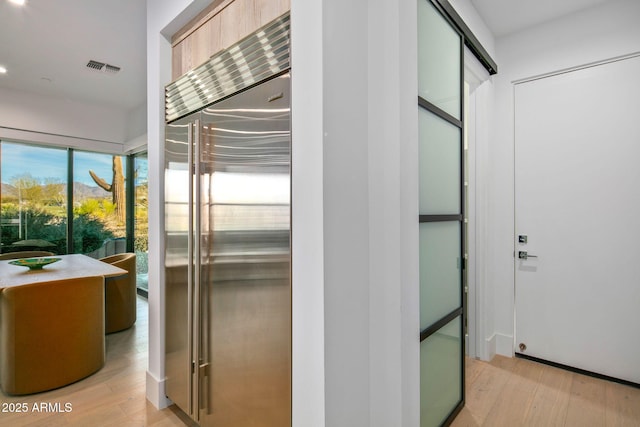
{"x": 18, "y": 2}
{"x": 2, "y": 70}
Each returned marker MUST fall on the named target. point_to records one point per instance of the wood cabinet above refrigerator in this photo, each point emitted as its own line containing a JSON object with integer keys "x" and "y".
{"x": 220, "y": 25}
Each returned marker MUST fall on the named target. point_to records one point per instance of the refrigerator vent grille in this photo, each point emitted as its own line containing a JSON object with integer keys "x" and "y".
{"x": 252, "y": 60}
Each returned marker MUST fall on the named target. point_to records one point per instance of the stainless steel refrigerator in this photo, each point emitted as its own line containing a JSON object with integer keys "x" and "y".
{"x": 228, "y": 259}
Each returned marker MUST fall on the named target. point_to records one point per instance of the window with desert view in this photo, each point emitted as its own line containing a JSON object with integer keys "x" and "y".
{"x": 38, "y": 212}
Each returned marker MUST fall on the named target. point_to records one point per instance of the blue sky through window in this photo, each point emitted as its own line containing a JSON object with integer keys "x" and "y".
{"x": 44, "y": 163}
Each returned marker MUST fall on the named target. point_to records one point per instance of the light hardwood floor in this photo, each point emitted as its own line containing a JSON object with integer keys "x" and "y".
{"x": 518, "y": 392}
{"x": 113, "y": 396}
{"x": 504, "y": 392}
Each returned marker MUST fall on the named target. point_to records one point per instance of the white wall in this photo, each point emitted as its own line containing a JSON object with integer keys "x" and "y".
{"x": 346, "y": 212}
{"x": 307, "y": 215}
{"x": 592, "y": 35}
{"x": 392, "y": 148}
{"x": 65, "y": 123}
{"x": 368, "y": 203}
{"x": 476, "y": 24}
{"x": 480, "y": 302}
{"x": 160, "y": 14}
{"x": 35, "y": 118}
{"x": 136, "y": 130}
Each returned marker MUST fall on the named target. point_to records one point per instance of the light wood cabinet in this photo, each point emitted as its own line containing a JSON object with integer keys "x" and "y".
{"x": 220, "y": 25}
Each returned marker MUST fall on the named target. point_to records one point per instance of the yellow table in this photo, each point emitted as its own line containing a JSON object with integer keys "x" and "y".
{"x": 69, "y": 267}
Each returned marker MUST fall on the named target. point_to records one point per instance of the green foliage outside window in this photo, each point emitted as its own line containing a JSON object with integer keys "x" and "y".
{"x": 89, "y": 232}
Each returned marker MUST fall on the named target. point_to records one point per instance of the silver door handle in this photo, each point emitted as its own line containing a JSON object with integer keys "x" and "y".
{"x": 525, "y": 255}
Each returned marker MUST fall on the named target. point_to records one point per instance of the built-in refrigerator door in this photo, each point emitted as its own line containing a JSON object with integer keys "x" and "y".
{"x": 180, "y": 137}
{"x": 245, "y": 335}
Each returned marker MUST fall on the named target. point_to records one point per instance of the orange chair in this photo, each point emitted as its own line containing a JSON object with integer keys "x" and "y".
{"x": 48, "y": 334}
{"x": 120, "y": 294}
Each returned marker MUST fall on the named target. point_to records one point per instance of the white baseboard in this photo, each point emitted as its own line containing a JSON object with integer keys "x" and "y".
{"x": 489, "y": 349}
{"x": 155, "y": 392}
{"x": 504, "y": 345}
{"x": 497, "y": 344}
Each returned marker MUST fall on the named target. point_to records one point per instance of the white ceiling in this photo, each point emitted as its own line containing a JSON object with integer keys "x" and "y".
{"x": 504, "y": 17}
{"x": 46, "y": 44}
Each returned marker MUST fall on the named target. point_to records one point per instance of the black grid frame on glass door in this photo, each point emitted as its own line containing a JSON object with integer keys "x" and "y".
{"x": 442, "y": 321}
{"x": 459, "y": 312}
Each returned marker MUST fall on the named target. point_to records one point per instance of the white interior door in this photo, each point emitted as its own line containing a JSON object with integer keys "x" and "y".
{"x": 577, "y": 196}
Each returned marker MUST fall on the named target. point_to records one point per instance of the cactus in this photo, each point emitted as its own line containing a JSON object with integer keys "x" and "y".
{"x": 116, "y": 188}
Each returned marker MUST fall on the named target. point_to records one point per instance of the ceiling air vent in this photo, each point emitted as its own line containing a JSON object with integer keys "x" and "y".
{"x": 95, "y": 65}
{"x": 111, "y": 69}
{"x": 102, "y": 67}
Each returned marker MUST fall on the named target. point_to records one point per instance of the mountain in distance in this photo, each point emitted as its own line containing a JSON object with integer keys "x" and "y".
{"x": 81, "y": 191}
{"x": 7, "y": 189}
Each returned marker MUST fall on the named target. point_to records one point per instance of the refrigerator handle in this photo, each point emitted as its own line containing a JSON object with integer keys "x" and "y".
{"x": 190, "y": 260}
{"x": 197, "y": 288}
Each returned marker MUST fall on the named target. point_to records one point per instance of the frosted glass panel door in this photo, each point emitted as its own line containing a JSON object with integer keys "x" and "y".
{"x": 439, "y": 270}
{"x": 438, "y": 60}
{"x": 442, "y": 316}
{"x": 439, "y": 165}
{"x": 440, "y": 373}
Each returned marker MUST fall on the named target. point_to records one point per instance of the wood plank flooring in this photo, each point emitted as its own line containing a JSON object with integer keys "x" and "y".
{"x": 518, "y": 392}
{"x": 504, "y": 392}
